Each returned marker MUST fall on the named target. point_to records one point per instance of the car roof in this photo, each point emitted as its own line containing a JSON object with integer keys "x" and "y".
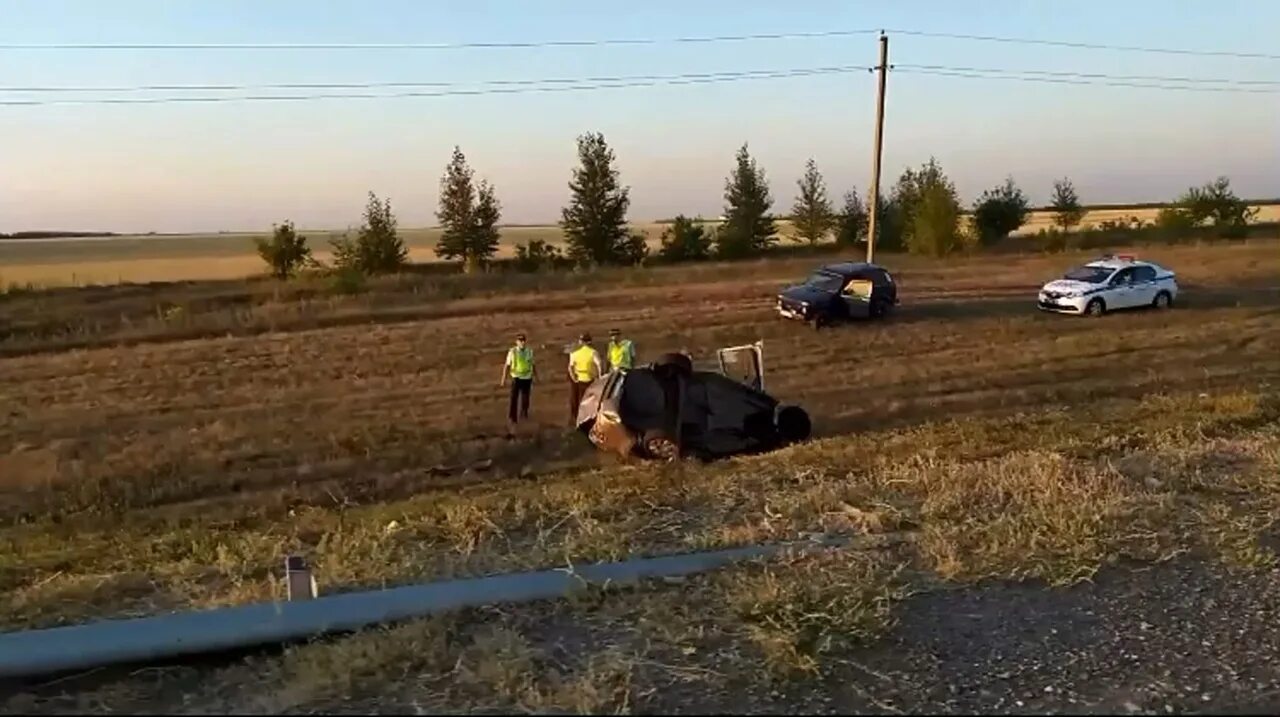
{"x": 850, "y": 268}
{"x": 1116, "y": 262}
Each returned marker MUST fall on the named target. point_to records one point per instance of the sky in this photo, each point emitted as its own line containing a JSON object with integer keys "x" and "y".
{"x": 246, "y": 165}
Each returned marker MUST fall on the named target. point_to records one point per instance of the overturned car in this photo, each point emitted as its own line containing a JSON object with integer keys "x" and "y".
{"x": 669, "y": 410}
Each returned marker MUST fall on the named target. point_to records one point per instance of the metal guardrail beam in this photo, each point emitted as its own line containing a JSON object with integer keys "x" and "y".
{"x": 39, "y": 652}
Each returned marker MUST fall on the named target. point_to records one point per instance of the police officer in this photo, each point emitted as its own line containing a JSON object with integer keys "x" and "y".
{"x": 584, "y": 367}
{"x": 621, "y": 352}
{"x": 519, "y": 365}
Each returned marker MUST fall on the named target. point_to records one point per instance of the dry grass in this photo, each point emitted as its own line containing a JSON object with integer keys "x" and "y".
{"x": 971, "y": 438}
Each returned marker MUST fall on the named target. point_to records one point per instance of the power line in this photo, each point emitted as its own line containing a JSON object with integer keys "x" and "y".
{"x": 1090, "y": 45}
{"x": 1082, "y": 81}
{"x": 1091, "y": 75}
{"x": 638, "y": 41}
{"x": 734, "y": 74}
{"x": 436, "y": 46}
{"x": 581, "y": 86}
{"x": 738, "y": 74}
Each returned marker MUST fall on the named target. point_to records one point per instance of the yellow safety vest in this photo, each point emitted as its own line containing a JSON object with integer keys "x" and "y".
{"x": 583, "y": 358}
{"x": 521, "y": 362}
{"x": 621, "y": 354}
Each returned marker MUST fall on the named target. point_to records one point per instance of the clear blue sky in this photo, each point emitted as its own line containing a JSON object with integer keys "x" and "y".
{"x": 246, "y": 165}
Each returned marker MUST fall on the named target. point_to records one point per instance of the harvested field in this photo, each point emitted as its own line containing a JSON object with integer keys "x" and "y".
{"x": 975, "y": 436}
{"x": 230, "y": 255}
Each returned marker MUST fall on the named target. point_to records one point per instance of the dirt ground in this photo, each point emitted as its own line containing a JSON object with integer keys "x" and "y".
{"x": 1010, "y": 444}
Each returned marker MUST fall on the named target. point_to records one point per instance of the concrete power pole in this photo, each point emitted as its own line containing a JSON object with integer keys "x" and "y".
{"x": 883, "y": 69}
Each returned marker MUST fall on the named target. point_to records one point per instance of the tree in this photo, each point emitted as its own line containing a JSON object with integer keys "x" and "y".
{"x": 286, "y": 252}
{"x": 1000, "y": 211}
{"x": 538, "y": 255}
{"x": 935, "y": 221}
{"x": 685, "y": 240}
{"x": 812, "y": 215}
{"x": 748, "y": 229}
{"x": 595, "y": 222}
{"x": 377, "y": 248}
{"x": 852, "y": 223}
{"x": 1216, "y": 203}
{"x": 906, "y": 200}
{"x": 468, "y": 218}
{"x": 1066, "y": 205}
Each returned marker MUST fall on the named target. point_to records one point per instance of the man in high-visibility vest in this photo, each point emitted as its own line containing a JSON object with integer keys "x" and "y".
{"x": 621, "y": 352}
{"x": 584, "y": 367}
{"x": 520, "y": 367}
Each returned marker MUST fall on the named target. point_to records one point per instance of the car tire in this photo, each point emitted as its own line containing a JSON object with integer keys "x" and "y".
{"x": 673, "y": 364}
{"x": 1095, "y": 308}
{"x": 793, "y": 424}
{"x": 880, "y": 309}
{"x": 659, "y": 445}
{"x": 1163, "y": 300}
{"x": 819, "y": 321}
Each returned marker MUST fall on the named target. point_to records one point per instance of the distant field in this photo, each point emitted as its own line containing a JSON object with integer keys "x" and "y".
{"x": 177, "y": 257}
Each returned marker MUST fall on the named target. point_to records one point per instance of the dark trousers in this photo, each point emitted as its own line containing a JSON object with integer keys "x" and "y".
{"x": 521, "y": 388}
{"x": 577, "y": 389}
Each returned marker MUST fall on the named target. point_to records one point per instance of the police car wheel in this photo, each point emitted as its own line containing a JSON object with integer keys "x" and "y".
{"x": 1163, "y": 300}
{"x": 1095, "y": 308}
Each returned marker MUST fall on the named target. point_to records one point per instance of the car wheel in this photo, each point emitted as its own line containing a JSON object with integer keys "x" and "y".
{"x": 818, "y": 322}
{"x": 659, "y": 445}
{"x": 879, "y": 309}
{"x": 793, "y": 424}
{"x": 1163, "y": 300}
{"x": 1095, "y": 308}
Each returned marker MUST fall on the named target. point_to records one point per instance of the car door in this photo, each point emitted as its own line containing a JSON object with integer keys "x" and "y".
{"x": 1144, "y": 287}
{"x": 856, "y": 296}
{"x": 1120, "y": 294}
{"x": 744, "y": 364}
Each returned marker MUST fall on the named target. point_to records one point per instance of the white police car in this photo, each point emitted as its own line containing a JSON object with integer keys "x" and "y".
{"x": 1110, "y": 283}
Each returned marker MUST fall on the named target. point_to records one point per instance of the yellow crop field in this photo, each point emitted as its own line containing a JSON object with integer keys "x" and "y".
{"x": 184, "y": 257}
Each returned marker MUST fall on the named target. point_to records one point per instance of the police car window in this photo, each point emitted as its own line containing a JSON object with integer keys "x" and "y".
{"x": 1144, "y": 273}
{"x": 1124, "y": 276}
{"x": 1088, "y": 274}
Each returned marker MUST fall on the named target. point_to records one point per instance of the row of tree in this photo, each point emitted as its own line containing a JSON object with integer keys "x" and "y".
{"x": 921, "y": 213}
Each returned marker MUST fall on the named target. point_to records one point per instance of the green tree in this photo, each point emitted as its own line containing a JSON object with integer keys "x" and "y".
{"x": 286, "y": 252}
{"x": 928, "y": 208}
{"x": 538, "y": 255}
{"x": 468, "y": 216}
{"x": 1215, "y": 203}
{"x": 595, "y": 222}
{"x": 935, "y": 221}
{"x": 812, "y": 215}
{"x": 377, "y": 248}
{"x": 1067, "y": 211}
{"x": 1000, "y": 211}
{"x": 897, "y": 223}
{"x": 685, "y": 240}
{"x": 748, "y": 228}
{"x": 851, "y": 226}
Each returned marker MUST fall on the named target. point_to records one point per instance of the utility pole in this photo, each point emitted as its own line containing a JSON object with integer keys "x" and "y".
{"x": 883, "y": 69}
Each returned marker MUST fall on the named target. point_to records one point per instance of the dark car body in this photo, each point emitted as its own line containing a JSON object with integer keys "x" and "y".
{"x": 704, "y": 414}
{"x": 839, "y": 292}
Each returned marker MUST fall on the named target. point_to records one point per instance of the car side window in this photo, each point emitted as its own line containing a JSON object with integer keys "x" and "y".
{"x": 1124, "y": 277}
{"x": 1143, "y": 274}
